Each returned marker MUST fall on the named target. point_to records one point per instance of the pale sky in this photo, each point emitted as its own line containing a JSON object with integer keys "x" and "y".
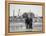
{"x": 37, "y": 10}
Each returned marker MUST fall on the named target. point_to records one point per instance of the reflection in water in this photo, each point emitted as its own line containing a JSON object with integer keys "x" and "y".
{"x": 19, "y": 25}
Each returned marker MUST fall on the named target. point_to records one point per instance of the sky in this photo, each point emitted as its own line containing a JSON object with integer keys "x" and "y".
{"x": 36, "y": 9}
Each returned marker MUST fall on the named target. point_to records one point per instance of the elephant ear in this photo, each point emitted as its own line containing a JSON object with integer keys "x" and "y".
{"x": 25, "y": 15}
{"x": 32, "y": 15}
